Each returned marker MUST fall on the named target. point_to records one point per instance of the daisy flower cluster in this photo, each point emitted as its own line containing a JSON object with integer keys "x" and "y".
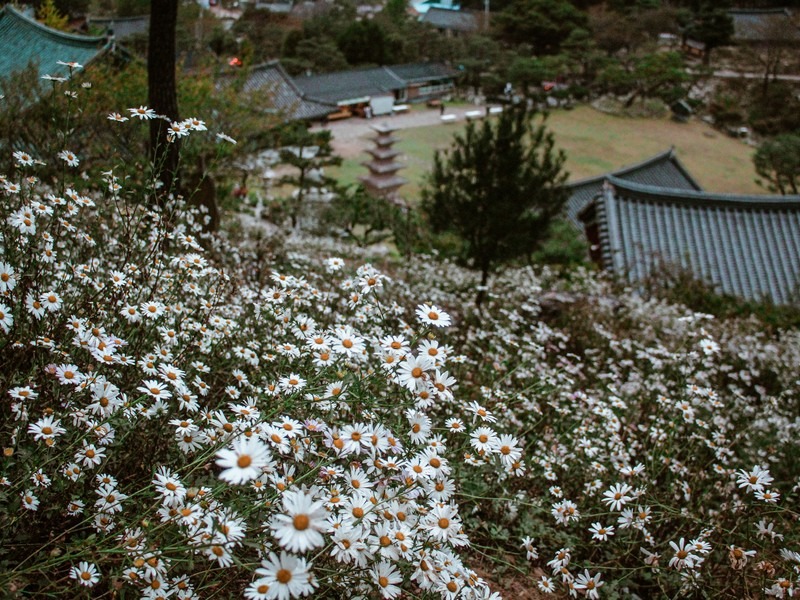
{"x": 169, "y": 415}
{"x": 186, "y": 413}
{"x": 657, "y": 440}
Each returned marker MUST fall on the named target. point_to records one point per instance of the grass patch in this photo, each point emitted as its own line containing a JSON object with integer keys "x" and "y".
{"x": 595, "y": 143}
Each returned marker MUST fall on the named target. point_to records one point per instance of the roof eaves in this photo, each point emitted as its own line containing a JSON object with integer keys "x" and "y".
{"x": 707, "y": 198}
{"x": 760, "y": 11}
{"x": 666, "y": 154}
{"x": 447, "y": 72}
{"x": 118, "y": 19}
{"x": 54, "y": 33}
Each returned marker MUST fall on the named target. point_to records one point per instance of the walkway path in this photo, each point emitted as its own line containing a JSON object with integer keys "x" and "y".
{"x": 727, "y": 74}
{"x": 350, "y": 136}
{"x": 731, "y": 74}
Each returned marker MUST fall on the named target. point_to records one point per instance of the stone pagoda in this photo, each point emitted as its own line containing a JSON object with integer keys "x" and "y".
{"x": 383, "y": 179}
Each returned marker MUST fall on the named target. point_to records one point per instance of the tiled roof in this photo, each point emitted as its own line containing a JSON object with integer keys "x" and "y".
{"x": 422, "y": 72}
{"x": 748, "y": 246}
{"x": 24, "y": 41}
{"x": 754, "y": 25}
{"x": 123, "y": 27}
{"x": 349, "y": 85}
{"x": 664, "y": 170}
{"x": 272, "y": 79}
{"x": 453, "y": 20}
{"x": 345, "y": 86}
{"x": 423, "y": 6}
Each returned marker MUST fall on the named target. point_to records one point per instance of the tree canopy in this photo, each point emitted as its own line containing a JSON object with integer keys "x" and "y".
{"x": 364, "y": 42}
{"x": 709, "y": 23}
{"x": 543, "y": 24}
{"x": 778, "y": 162}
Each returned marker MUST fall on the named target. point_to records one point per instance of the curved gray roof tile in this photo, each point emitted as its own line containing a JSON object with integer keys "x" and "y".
{"x": 748, "y": 246}
{"x": 663, "y": 170}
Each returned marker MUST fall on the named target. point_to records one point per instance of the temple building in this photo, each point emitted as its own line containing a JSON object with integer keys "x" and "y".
{"x": 654, "y": 215}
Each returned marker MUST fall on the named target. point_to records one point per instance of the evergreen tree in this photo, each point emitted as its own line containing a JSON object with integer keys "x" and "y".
{"x": 496, "y": 189}
{"x": 364, "y": 42}
{"x": 711, "y": 24}
{"x": 542, "y": 24}
{"x": 309, "y": 152}
{"x": 778, "y": 162}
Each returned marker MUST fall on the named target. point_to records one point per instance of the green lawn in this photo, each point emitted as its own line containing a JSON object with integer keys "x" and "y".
{"x": 596, "y": 143}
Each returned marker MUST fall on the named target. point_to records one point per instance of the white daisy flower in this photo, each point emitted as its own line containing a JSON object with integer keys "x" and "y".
{"x": 286, "y": 577}
{"x": 243, "y": 461}
{"x": 299, "y": 528}
{"x": 430, "y": 314}
{"x": 85, "y": 574}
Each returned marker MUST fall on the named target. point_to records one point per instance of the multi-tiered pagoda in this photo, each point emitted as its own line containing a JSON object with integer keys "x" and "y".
{"x": 383, "y": 179}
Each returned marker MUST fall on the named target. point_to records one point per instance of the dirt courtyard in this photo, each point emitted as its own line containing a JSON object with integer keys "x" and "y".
{"x": 351, "y": 136}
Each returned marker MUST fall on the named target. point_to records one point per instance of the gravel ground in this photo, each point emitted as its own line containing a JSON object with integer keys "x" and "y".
{"x": 351, "y": 136}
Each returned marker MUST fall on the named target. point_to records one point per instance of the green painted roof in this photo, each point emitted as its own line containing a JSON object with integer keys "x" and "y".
{"x": 24, "y": 40}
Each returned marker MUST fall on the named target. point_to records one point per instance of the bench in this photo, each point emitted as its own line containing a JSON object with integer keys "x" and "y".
{"x": 401, "y": 108}
{"x": 495, "y": 110}
{"x": 473, "y": 114}
{"x": 342, "y": 114}
{"x": 448, "y": 118}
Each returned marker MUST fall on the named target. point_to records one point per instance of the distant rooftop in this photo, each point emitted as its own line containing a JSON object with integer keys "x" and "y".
{"x": 123, "y": 27}
{"x": 747, "y": 246}
{"x": 423, "y": 6}
{"x": 349, "y": 86}
{"x": 664, "y": 170}
{"x": 461, "y": 21}
{"x": 24, "y": 40}
{"x": 420, "y": 72}
{"x": 359, "y": 85}
{"x": 272, "y": 79}
{"x": 755, "y": 25}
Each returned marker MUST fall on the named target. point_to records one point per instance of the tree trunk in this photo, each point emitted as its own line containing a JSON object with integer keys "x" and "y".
{"x": 161, "y": 91}
{"x": 298, "y": 201}
{"x": 481, "y": 296}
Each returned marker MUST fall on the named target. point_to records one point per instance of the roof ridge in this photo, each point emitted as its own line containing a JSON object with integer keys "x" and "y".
{"x": 760, "y": 11}
{"x": 117, "y": 19}
{"x": 335, "y": 73}
{"x": 53, "y": 33}
{"x": 275, "y": 63}
{"x": 295, "y": 88}
{"x": 684, "y": 171}
{"x": 627, "y": 169}
{"x": 787, "y": 201}
{"x": 388, "y": 69}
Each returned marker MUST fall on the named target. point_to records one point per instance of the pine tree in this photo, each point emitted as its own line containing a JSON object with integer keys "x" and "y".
{"x": 778, "y": 161}
{"x": 711, "y": 24}
{"x": 497, "y": 189}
